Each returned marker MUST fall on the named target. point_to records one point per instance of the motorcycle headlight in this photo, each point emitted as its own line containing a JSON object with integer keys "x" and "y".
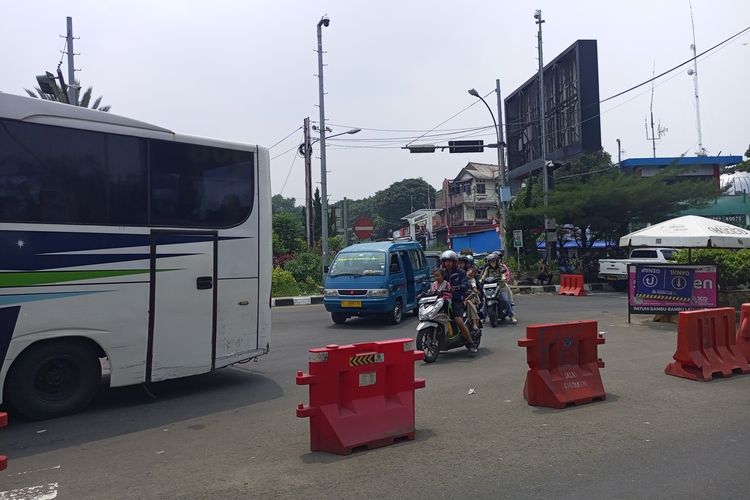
{"x": 429, "y": 311}
{"x": 490, "y": 292}
{"x": 378, "y": 292}
{"x": 331, "y": 292}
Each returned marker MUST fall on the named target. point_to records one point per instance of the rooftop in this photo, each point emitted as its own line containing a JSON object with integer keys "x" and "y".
{"x": 681, "y": 161}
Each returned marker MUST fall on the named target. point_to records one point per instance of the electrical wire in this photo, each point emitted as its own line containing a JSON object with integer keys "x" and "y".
{"x": 288, "y": 174}
{"x": 675, "y": 67}
{"x": 450, "y": 118}
{"x": 285, "y": 138}
{"x": 285, "y": 152}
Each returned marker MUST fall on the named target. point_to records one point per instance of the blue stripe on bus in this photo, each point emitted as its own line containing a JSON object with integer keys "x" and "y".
{"x": 20, "y": 298}
{"x": 29, "y": 250}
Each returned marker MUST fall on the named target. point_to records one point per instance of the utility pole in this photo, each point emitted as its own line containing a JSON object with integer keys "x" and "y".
{"x": 619, "y": 153}
{"x": 309, "y": 215}
{"x": 72, "y": 87}
{"x": 324, "y": 21}
{"x": 501, "y": 164}
{"x": 542, "y": 132}
{"x": 345, "y": 216}
{"x": 694, "y": 72}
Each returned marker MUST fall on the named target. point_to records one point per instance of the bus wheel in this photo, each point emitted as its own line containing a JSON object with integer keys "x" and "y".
{"x": 54, "y": 378}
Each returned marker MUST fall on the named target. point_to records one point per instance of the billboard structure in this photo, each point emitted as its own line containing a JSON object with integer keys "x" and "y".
{"x": 571, "y": 93}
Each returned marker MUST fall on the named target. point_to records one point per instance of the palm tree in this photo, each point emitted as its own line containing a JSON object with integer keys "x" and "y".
{"x": 59, "y": 95}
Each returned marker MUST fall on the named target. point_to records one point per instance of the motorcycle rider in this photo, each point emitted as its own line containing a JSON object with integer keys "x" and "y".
{"x": 459, "y": 285}
{"x": 498, "y": 270}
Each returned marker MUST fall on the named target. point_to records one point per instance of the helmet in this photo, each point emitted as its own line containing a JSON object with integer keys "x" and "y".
{"x": 469, "y": 259}
{"x": 492, "y": 256}
{"x": 448, "y": 255}
{"x": 500, "y": 253}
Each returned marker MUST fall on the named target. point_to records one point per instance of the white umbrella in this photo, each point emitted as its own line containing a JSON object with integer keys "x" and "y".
{"x": 690, "y": 231}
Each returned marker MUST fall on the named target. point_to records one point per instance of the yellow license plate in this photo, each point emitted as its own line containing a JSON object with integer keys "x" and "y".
{"x": 351, "y": 303}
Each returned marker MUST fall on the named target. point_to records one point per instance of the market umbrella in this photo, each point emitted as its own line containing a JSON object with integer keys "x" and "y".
{"x": 689, "y": 231}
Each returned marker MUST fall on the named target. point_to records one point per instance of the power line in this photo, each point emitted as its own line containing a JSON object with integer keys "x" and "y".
{"x": 676, "y": 67}
{"x": 296, "y": 146}
{"x": 285, "y": 138}
{"x": 288, "y": 173}
{"x": 449, "y": 119}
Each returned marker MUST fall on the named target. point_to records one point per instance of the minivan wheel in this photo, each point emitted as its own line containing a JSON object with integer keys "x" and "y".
{"x": 394, "y": 317}
{"x": 339, "y": 318}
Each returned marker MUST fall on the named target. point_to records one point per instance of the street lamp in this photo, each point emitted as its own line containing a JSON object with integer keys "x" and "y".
{"x": 500, "y": 161}
{"x": 324, "y": 21}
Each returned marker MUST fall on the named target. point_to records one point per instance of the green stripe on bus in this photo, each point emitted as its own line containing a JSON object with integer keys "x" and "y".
{"x": 51, "y": 277}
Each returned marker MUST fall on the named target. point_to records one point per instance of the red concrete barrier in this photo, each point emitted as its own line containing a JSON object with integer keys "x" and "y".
{"x": 3, "y": 458}
{"x": 743, "y": 334}
{"x": 572, "y": 284}
{"x": 706, "y": 345}
{"x": 563, "y": 364}
{"x": 360, "y": 394}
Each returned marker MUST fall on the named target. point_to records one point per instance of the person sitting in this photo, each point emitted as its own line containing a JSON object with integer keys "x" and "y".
{"x": 457, "y": 279}
{"x": 503, "y": 295}
{"x": 545, "y": 275}
{"x": 440, "y": 286}
{"x": 472, "y": 300}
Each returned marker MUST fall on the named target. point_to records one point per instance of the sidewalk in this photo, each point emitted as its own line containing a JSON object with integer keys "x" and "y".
{"x": 517, "y": 289}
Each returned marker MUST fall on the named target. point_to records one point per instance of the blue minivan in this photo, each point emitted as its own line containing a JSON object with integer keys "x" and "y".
{"x": 379, "y": 278}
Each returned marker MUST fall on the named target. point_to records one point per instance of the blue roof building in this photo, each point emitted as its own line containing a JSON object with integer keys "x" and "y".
{"x": 689, "y": 166}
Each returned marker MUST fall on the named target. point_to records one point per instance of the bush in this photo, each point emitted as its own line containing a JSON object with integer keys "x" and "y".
{"x": 306, "y": 267}
{"x": 733, "y": 266}
{"x": 283, "y": 283}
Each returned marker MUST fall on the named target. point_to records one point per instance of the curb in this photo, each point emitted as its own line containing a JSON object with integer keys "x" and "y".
{"x": 523, "y": 290}
{"x": 296, "y": 301}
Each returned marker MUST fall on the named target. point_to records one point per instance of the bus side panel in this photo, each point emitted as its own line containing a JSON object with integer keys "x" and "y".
{"x": 265, "y": 252}
{"x": 115, "y": 316}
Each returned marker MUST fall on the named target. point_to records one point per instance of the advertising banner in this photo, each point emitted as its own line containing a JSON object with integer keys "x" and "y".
{"x": 669, "y": 289}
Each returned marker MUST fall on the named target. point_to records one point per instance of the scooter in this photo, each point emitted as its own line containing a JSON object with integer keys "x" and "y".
{"x": 497, "y": 309}
{"x": 437, "y": 331}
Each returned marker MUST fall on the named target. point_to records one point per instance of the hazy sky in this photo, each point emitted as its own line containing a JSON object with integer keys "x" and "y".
{"x": 244, "y": 71}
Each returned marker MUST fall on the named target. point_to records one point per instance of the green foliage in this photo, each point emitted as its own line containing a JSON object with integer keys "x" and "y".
{"x": 335, "y": 244}
{"x": 396, "y": 201}
{"x": 606, "y": 202}
{"x": 287, "y": 233}
{"x": 306, "y": 265}
{"x": 283, "y": 283}
{"x": 59, "y": 95}
{"x": 279, "y": 204}
{"x": 733, "y": 266}
{"x": 745, "y": 165}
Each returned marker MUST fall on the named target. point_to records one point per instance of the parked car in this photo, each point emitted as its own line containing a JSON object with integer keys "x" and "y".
{"x": 615, "y": 271}
{"x": 381, "y": 278}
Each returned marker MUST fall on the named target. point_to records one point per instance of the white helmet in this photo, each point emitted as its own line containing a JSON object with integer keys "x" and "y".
{"x": 448, "y": 255}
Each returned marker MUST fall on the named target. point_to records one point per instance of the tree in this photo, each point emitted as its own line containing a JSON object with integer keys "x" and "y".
{"x": 398, "y": 200}
{"x": 58, "y": 95}
{"x": 280, "y": 204}
{"x": 287, "y": 230}
{"x": 745, "y": 165}
{"x": 603, "y": 205}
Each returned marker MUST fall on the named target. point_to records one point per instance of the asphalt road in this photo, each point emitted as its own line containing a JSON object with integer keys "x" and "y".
{"x": 234, "y": 433}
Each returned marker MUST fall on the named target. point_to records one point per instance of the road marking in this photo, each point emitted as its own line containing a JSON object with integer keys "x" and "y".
{"x": 42, "y": 492}
{"x": 23, "y": 473}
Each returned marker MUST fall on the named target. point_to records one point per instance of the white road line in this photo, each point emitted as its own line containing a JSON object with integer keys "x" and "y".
{"x": 23, "y": 473}
{"x": 42, "y": 492}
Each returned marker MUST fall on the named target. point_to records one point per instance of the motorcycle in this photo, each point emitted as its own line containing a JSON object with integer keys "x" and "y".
{"x": 497, "y": 310}
{"x": 437, "y": 331}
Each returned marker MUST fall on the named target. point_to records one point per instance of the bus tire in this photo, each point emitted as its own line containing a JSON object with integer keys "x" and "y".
{"x": 54, "y": 378}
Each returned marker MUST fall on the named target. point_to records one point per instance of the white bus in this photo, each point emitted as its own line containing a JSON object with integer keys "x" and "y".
{"x": 125, "y": 241}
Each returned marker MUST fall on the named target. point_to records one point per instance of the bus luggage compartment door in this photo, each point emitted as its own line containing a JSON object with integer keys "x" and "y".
{"x": 183, "y": 297}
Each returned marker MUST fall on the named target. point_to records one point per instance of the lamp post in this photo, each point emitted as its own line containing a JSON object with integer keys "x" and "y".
{"x": 500, "y": 162}
{"x": 324, "y": 21}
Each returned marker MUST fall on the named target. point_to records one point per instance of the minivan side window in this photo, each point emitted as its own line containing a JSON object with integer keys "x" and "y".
{"x": 395, "y": 267}
{"x": 417, "y": 259}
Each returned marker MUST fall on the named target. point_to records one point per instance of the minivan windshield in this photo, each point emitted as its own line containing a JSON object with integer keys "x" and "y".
{"x": 358, "y": 264}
